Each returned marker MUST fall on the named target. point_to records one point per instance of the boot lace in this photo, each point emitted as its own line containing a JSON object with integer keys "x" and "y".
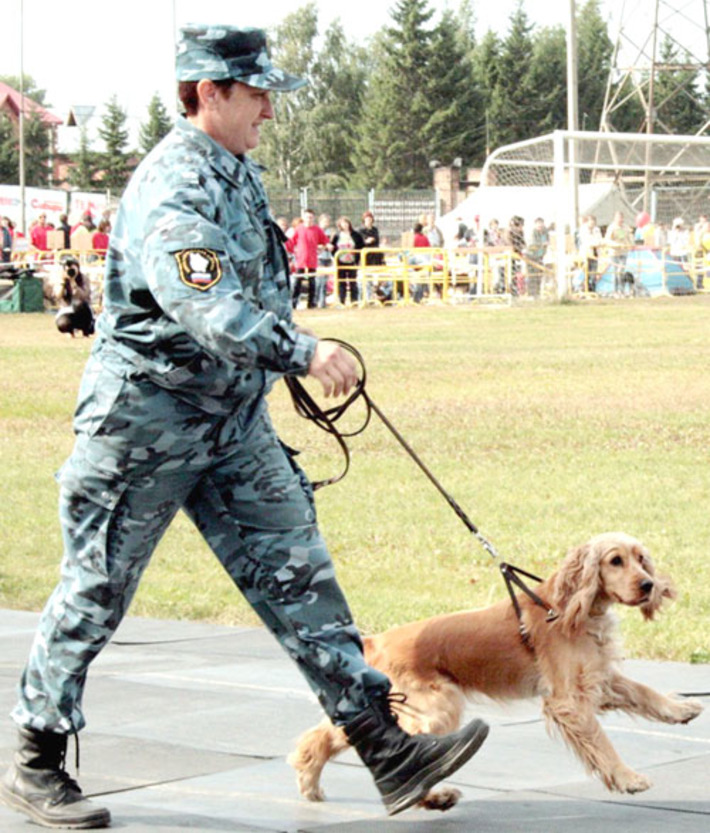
{"x": 66, "y": 786}
{"x": 396, "y": 703}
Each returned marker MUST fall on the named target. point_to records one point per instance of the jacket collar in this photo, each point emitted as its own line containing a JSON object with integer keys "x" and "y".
{"x": 226, "y": 164}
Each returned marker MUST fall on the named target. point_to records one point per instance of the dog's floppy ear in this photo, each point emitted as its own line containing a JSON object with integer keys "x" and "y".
{"x": 576, "y": 587}
{"x": 663, "y": 588}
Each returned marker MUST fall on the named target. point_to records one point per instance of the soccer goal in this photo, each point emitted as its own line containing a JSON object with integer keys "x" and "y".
{"x": 577, "y": 173}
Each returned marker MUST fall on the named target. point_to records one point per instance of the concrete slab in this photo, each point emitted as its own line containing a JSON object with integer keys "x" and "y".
{"x": 189, "y": 726}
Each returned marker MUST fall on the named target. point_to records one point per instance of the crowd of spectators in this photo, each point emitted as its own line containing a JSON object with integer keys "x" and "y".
{"x": 46, "y": 238}
{"x": 591, "y": 248}
{"x": 319, "y": 250}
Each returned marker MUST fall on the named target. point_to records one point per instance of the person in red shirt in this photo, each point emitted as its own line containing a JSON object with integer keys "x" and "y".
{"x": 99, "y": 240}
{"x": 38, "y": 235}
{"x": 307, "y": 238}
{"x": 421, "y": 241}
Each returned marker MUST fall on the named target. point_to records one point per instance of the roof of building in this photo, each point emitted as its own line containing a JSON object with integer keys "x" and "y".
{"x": 80, "y": 114}
{"x": 12, "y": 100}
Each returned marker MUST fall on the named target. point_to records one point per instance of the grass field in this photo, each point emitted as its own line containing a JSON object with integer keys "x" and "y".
{"x": 548, "y": 424}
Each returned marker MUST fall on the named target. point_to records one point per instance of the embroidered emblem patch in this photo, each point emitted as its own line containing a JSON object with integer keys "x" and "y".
{"x": 199, "y": 268}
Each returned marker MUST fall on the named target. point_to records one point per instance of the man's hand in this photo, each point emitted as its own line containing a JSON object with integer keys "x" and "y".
{"x": 334, "y": 368}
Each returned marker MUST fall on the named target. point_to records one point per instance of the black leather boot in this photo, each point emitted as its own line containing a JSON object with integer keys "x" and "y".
{"x": 405, "y": 767}
{"x": 38, "y": 785}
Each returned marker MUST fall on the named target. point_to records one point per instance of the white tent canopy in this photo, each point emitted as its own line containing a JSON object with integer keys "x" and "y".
{"x": 503, "y": 202}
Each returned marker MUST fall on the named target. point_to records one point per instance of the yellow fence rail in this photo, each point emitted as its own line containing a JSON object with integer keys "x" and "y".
{"x": 401, "y": 276}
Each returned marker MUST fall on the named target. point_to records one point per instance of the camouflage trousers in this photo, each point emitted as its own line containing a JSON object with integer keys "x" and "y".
{"x": 141, "y": 454}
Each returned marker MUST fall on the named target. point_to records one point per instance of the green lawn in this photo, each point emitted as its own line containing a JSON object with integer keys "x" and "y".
{"x": 548, "y": 424}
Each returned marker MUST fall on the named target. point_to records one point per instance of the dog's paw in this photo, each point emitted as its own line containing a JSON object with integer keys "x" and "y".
{"x": 627, "y": 781}
{"x": 688, "y": 710}
{"x": 443, "y": 798}
{"x": 314, "y": 793}
{"x": 309, "y": 787}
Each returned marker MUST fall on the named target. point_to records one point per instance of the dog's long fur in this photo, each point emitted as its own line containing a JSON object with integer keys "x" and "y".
{"x": 572, "y": 664}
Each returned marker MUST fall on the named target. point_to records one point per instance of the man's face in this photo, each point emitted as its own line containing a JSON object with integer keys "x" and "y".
{"x": 234, "y": 118}
{"x": 309, "y": 219}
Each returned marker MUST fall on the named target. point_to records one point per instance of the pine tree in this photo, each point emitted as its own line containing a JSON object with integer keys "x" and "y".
{"x": 486, "y": 69}
{"x": 594, "y": 53}
{"x": 158, "y": 125}
{"x": 548, "y": 79}
{"x": 392, "y": 149}
{"x": 85, "y": 165}
{"x": 115, "y": 136}
{"x": 512, "y": 100}
{"x": 456, "y": 126}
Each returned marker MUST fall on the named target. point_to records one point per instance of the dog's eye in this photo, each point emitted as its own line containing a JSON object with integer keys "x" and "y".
{"x": 616, "y": 561}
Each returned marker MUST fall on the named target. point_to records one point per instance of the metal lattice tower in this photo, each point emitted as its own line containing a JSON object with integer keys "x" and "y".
{"x": 640, "y": 68}
{"x": 661, "y": 64}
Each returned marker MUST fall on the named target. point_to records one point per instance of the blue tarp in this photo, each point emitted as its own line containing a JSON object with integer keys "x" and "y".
{"x": 654, "y": 273}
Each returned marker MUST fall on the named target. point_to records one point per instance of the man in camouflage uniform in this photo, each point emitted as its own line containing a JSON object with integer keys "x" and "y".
{"x": 172, "y": 415}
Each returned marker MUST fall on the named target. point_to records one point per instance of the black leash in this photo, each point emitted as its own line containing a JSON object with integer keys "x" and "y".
{"x": 308, "y": 408}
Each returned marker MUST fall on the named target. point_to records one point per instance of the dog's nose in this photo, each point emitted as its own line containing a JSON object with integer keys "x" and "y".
{"x": 646, "y": 586}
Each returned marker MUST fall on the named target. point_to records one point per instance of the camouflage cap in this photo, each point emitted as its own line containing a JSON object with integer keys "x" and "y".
{"x": 222, "y": 52}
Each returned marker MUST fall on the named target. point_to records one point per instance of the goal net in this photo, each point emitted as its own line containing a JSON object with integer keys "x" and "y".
{"x": 664, "y": 175}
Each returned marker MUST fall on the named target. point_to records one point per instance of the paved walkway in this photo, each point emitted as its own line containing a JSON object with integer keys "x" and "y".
{"x": 190, "y": 725}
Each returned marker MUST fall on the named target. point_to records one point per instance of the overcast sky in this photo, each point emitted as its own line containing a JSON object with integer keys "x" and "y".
{"x": 82, "y": 52}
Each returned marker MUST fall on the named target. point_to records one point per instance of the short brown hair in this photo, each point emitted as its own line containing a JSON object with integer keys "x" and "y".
{"x": 187, "y": 93}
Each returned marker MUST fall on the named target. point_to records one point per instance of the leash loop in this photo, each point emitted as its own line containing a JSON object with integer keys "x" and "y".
{"x": 307, "y": 407}
{"x": 326, "y": 419}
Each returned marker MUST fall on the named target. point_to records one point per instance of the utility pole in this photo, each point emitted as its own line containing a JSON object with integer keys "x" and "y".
{"x": 572, "y": 106}
{"x": 23, "y": 211}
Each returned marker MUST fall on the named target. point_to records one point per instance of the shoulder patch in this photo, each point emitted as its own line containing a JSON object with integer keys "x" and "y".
{"x": 199, "y": 268}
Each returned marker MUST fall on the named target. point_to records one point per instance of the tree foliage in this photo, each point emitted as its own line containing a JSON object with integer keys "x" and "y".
{"x": 287, "y": 141}
{"x": 338, "y": 86}
{"x": 29, "y": 87}
{"x": 392, "y": 150}
{"x": 678, "y": 95}
{"x": 9, "y": 157}
{"x": 513, "y": 99}
{"x": 86, "y": 165}
{"x": 115, "y": 160}
{"x": 594, "y": 58}
{"x": 36, "y": 139}
{"x": 158, "y": 125}
{"x": 422, "y": 90}
{"x": 456, "y": 125}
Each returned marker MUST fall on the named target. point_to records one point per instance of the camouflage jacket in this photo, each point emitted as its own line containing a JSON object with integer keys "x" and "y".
{"x": 196, "y": 295}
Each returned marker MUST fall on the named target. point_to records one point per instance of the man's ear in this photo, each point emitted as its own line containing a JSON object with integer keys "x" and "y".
{"x": 207, "y": 92}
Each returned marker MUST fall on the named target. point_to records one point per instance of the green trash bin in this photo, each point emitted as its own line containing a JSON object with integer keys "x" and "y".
{"x": 21, "y": 292}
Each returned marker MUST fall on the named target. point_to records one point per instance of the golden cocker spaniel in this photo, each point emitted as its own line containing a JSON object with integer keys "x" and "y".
{"x": 571, "y": 662}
